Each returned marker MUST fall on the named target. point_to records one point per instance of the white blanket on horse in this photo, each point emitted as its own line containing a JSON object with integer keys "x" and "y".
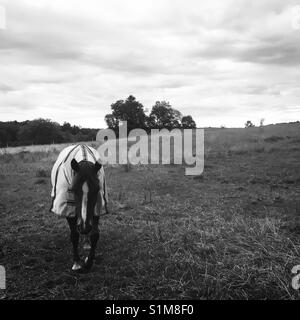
{"x": 63, "y": 203}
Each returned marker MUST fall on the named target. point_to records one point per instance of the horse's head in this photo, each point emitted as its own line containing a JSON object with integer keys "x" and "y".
{"x": 85, "y": 185}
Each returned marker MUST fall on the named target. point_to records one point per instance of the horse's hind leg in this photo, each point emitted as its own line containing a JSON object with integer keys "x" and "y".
{"x": 74, "y": 237}
{"x": 94, "y": 237}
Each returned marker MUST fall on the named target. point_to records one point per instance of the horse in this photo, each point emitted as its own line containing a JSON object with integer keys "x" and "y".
{"x": 79, "y": 194}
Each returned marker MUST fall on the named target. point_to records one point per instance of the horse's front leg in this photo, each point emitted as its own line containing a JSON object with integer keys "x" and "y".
{"x": 94, "y": 237}
{"x": 74, "y": 237}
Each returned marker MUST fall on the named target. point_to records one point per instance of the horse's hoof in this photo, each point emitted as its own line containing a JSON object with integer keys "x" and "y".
{"x": 77, "y": 267}
{"x": 88, "y": 264}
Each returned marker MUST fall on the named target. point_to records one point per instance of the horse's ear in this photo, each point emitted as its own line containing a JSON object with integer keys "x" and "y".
{"x": 74, "y": 165}
{"x": 98, "y": 166}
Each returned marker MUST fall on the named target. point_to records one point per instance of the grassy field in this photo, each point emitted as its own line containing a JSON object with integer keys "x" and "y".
{"x": 231, "y": 233}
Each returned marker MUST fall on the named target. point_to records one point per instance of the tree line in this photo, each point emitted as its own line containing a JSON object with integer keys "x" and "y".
{"x": 42, "y": 131}
{"x": 161, "y": 116}
{"x": 45, "y": 131}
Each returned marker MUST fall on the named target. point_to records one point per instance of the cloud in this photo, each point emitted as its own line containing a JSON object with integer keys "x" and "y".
{"x": 220, "y": 61}
{"x": 4, "y": 88}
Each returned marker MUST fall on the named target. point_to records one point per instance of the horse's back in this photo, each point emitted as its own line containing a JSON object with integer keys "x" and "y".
{"x": 61, "y": 157}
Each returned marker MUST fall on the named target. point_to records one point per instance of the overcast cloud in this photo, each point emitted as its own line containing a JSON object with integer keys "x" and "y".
{"x": 223, "y": 62}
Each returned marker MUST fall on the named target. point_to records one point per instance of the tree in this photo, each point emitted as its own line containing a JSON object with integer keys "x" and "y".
{"x": 164, "y": 116}
{"x": 188, "y": 122}
{"x": 8, "y": 133}
{"x": 66, "y": 127}
{"x": 40, "y": 131}
{"x": 129, "y": 110}
{"x": 112, "y": 122}
{"x": 249, "y": 124}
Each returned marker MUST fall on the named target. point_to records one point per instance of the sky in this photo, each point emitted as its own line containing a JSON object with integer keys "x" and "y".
{"x": 222, "y": 62}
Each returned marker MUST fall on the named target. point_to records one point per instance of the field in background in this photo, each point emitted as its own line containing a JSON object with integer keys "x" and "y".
{"x": 231, "y": 233}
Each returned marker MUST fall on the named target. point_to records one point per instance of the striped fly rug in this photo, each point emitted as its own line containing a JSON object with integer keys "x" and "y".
{"x": 63, "y": 203}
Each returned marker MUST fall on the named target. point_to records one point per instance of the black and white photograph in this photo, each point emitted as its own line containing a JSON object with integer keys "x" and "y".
{"x": 149, "y": 150}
